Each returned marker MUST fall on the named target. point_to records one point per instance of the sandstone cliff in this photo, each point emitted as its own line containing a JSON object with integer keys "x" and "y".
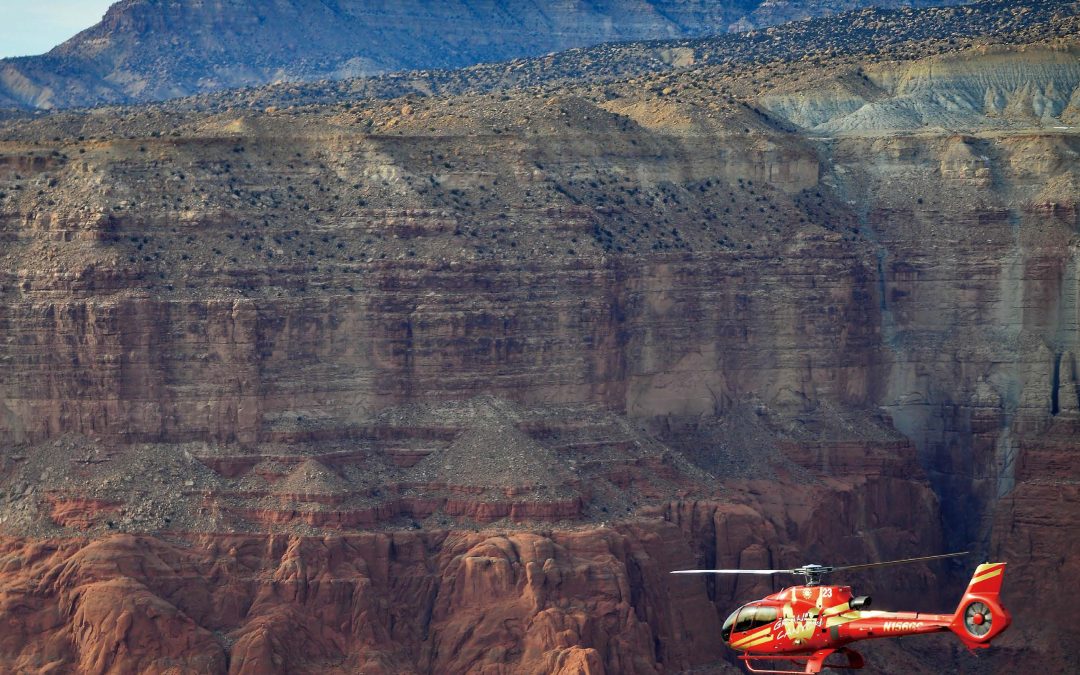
{"x": 450, "y": 382}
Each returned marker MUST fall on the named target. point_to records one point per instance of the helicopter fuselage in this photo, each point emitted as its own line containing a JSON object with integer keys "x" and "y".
{"x": 810, "y": 618}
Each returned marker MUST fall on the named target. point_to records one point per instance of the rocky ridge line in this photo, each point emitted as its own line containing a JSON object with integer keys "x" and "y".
{"x": 147, "y": 50}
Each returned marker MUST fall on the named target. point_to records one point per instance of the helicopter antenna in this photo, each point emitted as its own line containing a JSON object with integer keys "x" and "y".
{"x": 813, "y": 574}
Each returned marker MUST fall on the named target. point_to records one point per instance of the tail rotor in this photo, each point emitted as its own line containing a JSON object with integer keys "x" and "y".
{"x": 978, "y": 619}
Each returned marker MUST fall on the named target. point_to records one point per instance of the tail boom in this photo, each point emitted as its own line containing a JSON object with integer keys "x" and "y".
{"x": 875, "y": 624}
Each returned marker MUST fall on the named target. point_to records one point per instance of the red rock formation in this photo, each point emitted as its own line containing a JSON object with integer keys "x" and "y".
{"x": 591, "y": 601}
{"x": 572, "y": 599}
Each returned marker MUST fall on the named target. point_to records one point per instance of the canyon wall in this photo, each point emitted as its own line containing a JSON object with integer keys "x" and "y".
{"x": 844, "y": 342}
{"x": 218, "y": 341}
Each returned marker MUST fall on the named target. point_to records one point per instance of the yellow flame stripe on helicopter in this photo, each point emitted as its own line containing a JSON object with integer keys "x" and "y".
{"x": 759, "y": 641}
{"x": 846, "y": 617}
{"x": 838, "y": 609}
{"x": 753, "y": 636}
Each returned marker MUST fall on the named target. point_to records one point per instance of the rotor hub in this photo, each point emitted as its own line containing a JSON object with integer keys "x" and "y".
{"x": 813, "y": 574}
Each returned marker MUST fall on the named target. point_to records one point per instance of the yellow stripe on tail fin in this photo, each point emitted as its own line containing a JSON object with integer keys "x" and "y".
{"x": 987, "y": 579}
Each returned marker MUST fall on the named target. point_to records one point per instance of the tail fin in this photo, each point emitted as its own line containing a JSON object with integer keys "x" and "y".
{"x": 980, "y": 617}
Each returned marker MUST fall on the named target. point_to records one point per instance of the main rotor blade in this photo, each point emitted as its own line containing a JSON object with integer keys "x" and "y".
{"x": 733, "y": 572}
{"x": 845, "y": 568}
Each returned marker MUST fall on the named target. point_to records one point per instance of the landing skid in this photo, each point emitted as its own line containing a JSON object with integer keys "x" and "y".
{"x": 810, "y": 663}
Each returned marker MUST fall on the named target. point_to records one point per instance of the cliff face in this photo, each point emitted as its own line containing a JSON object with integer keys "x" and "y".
{"x": 448, "y": 384}
{"x": 397, "y": 293}
{"x": 147, "y": 50}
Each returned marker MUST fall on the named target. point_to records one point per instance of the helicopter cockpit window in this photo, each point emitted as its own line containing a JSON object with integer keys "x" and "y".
{"x": 749, "y": 618}
{"x": 765, "y": 615}
{"x": 746, "y": 619}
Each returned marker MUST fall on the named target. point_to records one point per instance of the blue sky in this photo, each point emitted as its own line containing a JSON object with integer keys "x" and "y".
{"x": 36, "y": 26}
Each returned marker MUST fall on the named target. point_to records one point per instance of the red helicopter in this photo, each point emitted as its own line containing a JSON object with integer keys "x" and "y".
{"x": 805, "y": 625}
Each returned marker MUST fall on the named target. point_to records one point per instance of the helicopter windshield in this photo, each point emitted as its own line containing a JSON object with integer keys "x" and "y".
{"x": 747, "y": 618}
{"x": 725, "y": 632}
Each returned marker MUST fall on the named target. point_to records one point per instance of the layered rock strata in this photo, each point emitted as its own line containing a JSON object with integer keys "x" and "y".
{"x": 620, "y": 330}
